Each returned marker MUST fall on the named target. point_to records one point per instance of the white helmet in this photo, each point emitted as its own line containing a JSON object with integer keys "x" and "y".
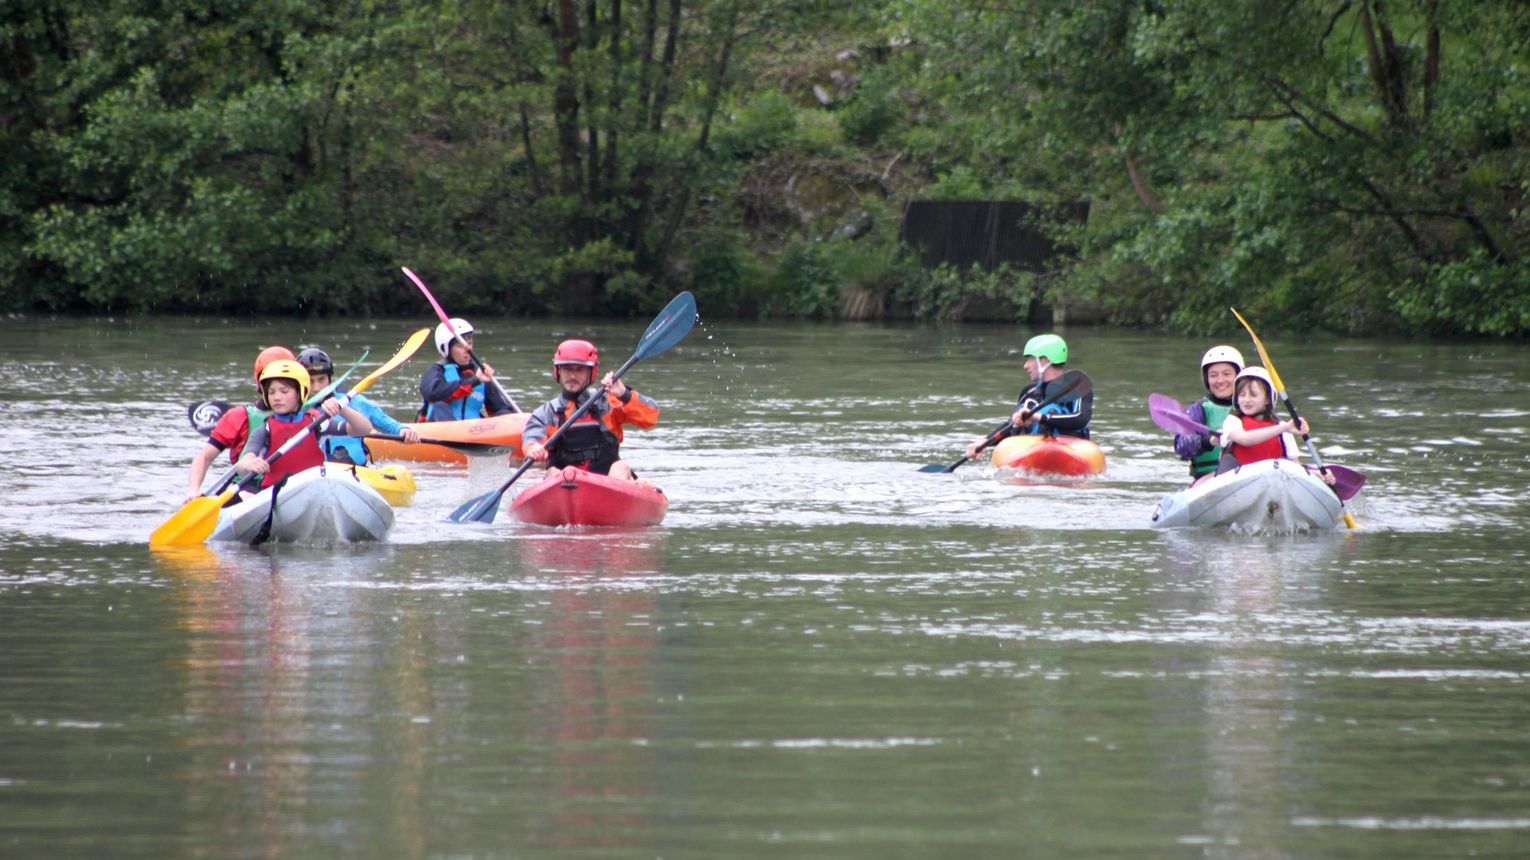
{"x": 444, "y": 335}
{"x": 1221, "y": 354}
{"x": 1259, "y": 373}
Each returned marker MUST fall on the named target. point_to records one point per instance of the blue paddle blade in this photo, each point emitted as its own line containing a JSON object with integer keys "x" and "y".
{"x": 668, "y": 328}
{"x": 480, "y": 509}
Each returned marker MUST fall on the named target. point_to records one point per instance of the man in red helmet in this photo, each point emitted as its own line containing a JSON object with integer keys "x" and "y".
{"x": 233, "y": 428}
{"x": 594, "y": 441}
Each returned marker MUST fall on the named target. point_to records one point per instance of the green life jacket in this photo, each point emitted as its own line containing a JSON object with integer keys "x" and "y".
{"x": 1205, "y": 462}
{"x": 254, "y": 418}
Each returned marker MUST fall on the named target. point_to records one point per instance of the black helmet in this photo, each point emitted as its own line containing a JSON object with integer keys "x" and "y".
{"x": 316, "y": 360}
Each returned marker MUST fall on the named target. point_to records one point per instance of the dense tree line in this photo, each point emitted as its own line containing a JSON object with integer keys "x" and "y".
{"x": 1351, "y": 165}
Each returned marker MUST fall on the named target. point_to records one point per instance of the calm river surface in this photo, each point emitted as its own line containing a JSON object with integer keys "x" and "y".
{"x": 821, "y": 653}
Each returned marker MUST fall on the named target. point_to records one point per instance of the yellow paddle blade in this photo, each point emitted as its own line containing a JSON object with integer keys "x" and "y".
{"x": 408, "y": 349}
{"x": 193, "y": 523}
{"x": 1280, "y": 387}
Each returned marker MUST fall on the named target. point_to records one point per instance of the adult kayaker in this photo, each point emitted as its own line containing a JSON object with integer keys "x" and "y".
{"x": 1251, "y": 433}
{"x": 1220, "y": 367}
{"x": 232, "y": 429}
{"x": 339, "y": 446}
{"x": 285, "y": 385}
{"x": 594, "y": 441}
{"x": 1045, "y": 358}
{"x": 453, "y": 390}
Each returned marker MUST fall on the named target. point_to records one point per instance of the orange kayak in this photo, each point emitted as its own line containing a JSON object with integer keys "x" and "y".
{"x": 499, "y": 430}
{"x": 1050, "y": 455}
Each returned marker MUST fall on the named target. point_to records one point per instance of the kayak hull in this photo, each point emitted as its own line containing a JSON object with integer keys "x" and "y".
{"x": 1278, "y": 496}
{"x": 499, "y": 430}
{"x": 393, "y": 482}
{"x": 580, "y": 498}
{"x": 1050, "y": 455}
{"x": 325, "y": 504}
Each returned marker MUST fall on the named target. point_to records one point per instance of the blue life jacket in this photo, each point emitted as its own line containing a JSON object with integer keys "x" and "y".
{"x": 468, "y": 407}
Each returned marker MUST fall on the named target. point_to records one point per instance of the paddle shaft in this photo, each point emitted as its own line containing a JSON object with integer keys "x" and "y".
{"x": 446, "y": 320}
{"x": 484, "y": 448}
{"x": 1280, "y": 392}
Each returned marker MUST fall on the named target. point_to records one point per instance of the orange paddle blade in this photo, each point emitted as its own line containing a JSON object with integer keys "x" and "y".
{"x": 193, "y": 523}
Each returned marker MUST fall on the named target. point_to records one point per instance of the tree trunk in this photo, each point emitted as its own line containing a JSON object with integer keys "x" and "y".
{"x": 566, "y": 100}
{"x": 1385, "y": 64}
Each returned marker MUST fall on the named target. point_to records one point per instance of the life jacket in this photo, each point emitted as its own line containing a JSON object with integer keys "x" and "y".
{"x": 339, "y": 446}
{"x": 1036, "y": 393}
{"x": 588, "y": 441}
{"x": 461, "y": 409}
{"x": 1205, "y": 462}
{"x": 305, "y": 455}
{"x": 1270, "y": 449}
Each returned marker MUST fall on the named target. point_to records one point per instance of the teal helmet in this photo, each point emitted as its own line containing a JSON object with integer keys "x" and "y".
{"x": 1048, "y": 346}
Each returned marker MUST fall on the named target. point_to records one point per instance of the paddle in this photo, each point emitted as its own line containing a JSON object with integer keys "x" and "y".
{"x": 472, "y": 356}
{"x": 1280, "y": 392}
{"x": 204, "y": 414}
{"x": 1074, "y": 382}
{"x": 1168, "y": 414}
{"x": 667, "y": 329}
{"x": 197, "y": 518}
{"x": 472, "y": 449}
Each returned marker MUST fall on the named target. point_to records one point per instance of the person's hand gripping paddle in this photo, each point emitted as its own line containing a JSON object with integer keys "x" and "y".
{"x": 1074, "y": 383}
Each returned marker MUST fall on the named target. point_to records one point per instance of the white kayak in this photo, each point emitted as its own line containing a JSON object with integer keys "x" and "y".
{"x": 325, "y": 504}
{"x": 1268, "y": 496}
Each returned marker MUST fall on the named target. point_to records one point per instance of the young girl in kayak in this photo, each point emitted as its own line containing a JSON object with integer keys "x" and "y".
{"x": 1220, "y": 367}
{"x": 338, "y": 440}
{"x": 594, "y": 441}
{"x": 1045, "y": 357}
{"x": 452, "y": 388}
{"x": 1251, "y": 432}
{"x": 285, "y": 386}
{"x": 232, "y": 429}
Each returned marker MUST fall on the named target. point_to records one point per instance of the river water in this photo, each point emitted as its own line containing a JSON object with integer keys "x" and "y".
{"x": 822, "y": 652}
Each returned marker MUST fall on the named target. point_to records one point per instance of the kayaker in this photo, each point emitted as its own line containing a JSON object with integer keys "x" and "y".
{"x": 594, "y": 441}
{"x": 453, "y": 390}
{"x": 338, "y": 443}
{"x": 232, "y": 429}
{"x": 1045, "y": 358}
{"x": 1251, "y": 433}
{"x": 1220, "y": 367}
{"x": 286, "y": 385}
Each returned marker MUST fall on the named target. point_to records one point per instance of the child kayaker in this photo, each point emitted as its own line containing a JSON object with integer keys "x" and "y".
{"x": 1045, "y": 358}
{"x": 1251, "y": 433}
{"x": 594, "y": 441}
{"x": 338, "y": 443}
{"x": 453, "y": 390}
{"x": 232, "y": 429}
{"x": 1220, "y": 367}
{"x": 285, "y": 385}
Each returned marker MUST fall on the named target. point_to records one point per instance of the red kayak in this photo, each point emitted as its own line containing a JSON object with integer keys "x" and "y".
{"x": 581, "y": 498}
{"x": 1050, "y": 455}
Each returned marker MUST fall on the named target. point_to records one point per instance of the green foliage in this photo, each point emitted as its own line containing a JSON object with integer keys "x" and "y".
{"x": 1319, "y": 165}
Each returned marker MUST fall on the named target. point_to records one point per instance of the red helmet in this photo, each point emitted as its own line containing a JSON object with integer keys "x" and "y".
{"x": 580, "y": 352}
{"x": 270, "y": 354}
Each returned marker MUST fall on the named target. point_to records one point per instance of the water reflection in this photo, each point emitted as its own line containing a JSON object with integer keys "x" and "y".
{"x": 1240, "y": 594}
{"x": 602, "y": 649}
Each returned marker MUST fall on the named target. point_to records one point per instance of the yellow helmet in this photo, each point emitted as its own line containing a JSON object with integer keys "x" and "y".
{"x": 286, "y": 369}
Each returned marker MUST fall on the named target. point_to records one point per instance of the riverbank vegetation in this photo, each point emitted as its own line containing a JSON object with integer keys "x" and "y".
{"x": 1346, "y": 165}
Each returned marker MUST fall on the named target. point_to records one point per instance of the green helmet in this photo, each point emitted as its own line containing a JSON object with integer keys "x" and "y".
{"x": 1048, "y": 346}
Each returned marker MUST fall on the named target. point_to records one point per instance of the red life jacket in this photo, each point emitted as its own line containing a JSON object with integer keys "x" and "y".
{"x": 304, "y": 455}
{"x": 1269, "y": 449}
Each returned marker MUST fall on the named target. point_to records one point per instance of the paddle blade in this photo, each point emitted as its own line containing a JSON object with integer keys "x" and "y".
{"x": 668, "y": 328}
{"x": 480, "y": 509}
{"x": 1170, "y": 415}
{"x": 1347, "y": 481}
{"x": 193, "y": 523}
{"x": 934, "y": 468}
{"x": 1269, "y": 366}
